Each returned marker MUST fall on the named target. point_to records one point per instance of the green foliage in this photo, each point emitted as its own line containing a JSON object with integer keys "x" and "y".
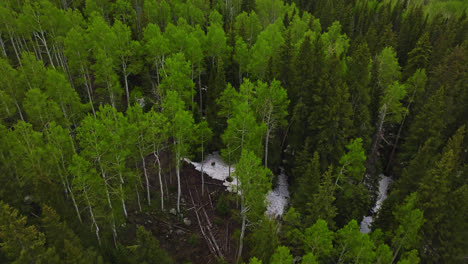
{"x": 309, "y": 258}
{"x": 389, "y": 70}
{"x": 263, "y": 240}
{"x": 318, "y": 240}
{"x": 254, "y": 184}
{"x": 242, "y": 132}
{"x": 147, "y": 249}
{"x": 411, "y": 219}
{"x": 177, "y": 72}
{"x": 194, "y": 240}
{"x": 21, "y": 243}
{"x": 281, "y": 256}
{"x": 382, "y": 83}
{"x": 353, "y": 161}
{"x": 222, "y": 205}
{"x": 353, "y": 245}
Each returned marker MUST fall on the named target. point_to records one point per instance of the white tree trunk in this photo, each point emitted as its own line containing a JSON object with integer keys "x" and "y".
{"x": 16, "y": 50}
{"x": 160, "y": 180}
{"x": 123, "y": 206}
{"x": 103, "y": 174}
{"x": 93, "y": 219}
{"x": 19, "y": 111}
{"x": 2, "y": 44}
{"x": 241, "y": 237}
{"x": 179, "y": 191}
{"x": 125, "y": 74}
{"x": 138, "y": 197}
{"x": 266, "y": 146}
{"x": 148, "y": 196}
{"x": 88, "y": 89}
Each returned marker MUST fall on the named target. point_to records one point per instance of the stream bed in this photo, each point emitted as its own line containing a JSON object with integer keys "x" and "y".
{"x": 366, "y": 222}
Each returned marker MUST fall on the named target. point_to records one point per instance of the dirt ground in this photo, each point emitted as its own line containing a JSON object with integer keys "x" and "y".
{"x": 209, "y": 236}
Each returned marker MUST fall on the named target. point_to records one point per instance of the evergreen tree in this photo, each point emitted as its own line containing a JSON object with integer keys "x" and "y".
{"x": 22, "y": 243}
{"x": 419, "y": 57}
{"x": 147, "y": 249}
{"x": 437, "y": 193}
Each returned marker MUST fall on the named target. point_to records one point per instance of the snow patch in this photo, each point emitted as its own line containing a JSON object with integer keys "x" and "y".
{"x": 215, "y": 167}
{"x": 278, "y": 198}
{"x": 383, "y": 187}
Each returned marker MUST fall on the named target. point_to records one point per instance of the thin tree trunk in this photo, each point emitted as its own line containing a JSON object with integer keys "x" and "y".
{"x": 126, "y": 84}
{"x": 376, "y": 143}
{"x": 241, "y": 237}
{"x": 93, "y": 219}
{"x": 111, "y": 94}
{"x": 74, "y": 203}
{"x": 2, "y": 44}
{"x": 44, "y": 41}
{"x": 160, "y": 180}
{"x": 19, "y": 111}
{"x": 88, "y": 89}
{"x": 138, "y": 197}
{"x": 201, "y": 95}
{"x": 202, "y": 176}
{"x": 103, "y": 174}
{"x": 390, "y": 159}
{"x": 123, "y": 203}
{"x": 148, "y": 196}
{"x": 114, "y": 231}
{"x": 266, "y": 146}
{"x": 179, "y": 191}
{"x": 16, "y": 51}
{"x": 396, "y": 254}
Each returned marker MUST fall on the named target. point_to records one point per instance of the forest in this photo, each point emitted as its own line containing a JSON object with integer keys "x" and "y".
{"x": 233, "y": 131}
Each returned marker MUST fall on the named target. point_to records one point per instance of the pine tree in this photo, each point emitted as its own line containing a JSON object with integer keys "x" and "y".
{"x": 22, "y": 243}
{"x": 308, "y": 173}
{"x": 436, "y": 192}
{"x": 358, "y": 76}
{"x": 147, "y": 249}
{"x": 322, "y": 205}
{"x": 419, "y": 57}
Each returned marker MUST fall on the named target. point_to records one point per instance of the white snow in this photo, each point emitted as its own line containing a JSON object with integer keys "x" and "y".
{"x": 383, "y": 186}
{"x": 217, "y": 169}
{"x": 278, "y": 198}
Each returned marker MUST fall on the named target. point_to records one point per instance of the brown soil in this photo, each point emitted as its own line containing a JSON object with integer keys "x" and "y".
{"x": 188, "y": 243}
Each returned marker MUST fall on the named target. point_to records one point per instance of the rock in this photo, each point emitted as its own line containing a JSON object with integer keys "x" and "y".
{"x": 187, "y": 221}
{"x": 173, "y": 211}
{"x": 179, "y": 232}
{"x": 28, "y": 199}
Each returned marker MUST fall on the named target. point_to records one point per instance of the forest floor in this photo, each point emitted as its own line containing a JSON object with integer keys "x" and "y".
{"x": 208, "y": 236}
